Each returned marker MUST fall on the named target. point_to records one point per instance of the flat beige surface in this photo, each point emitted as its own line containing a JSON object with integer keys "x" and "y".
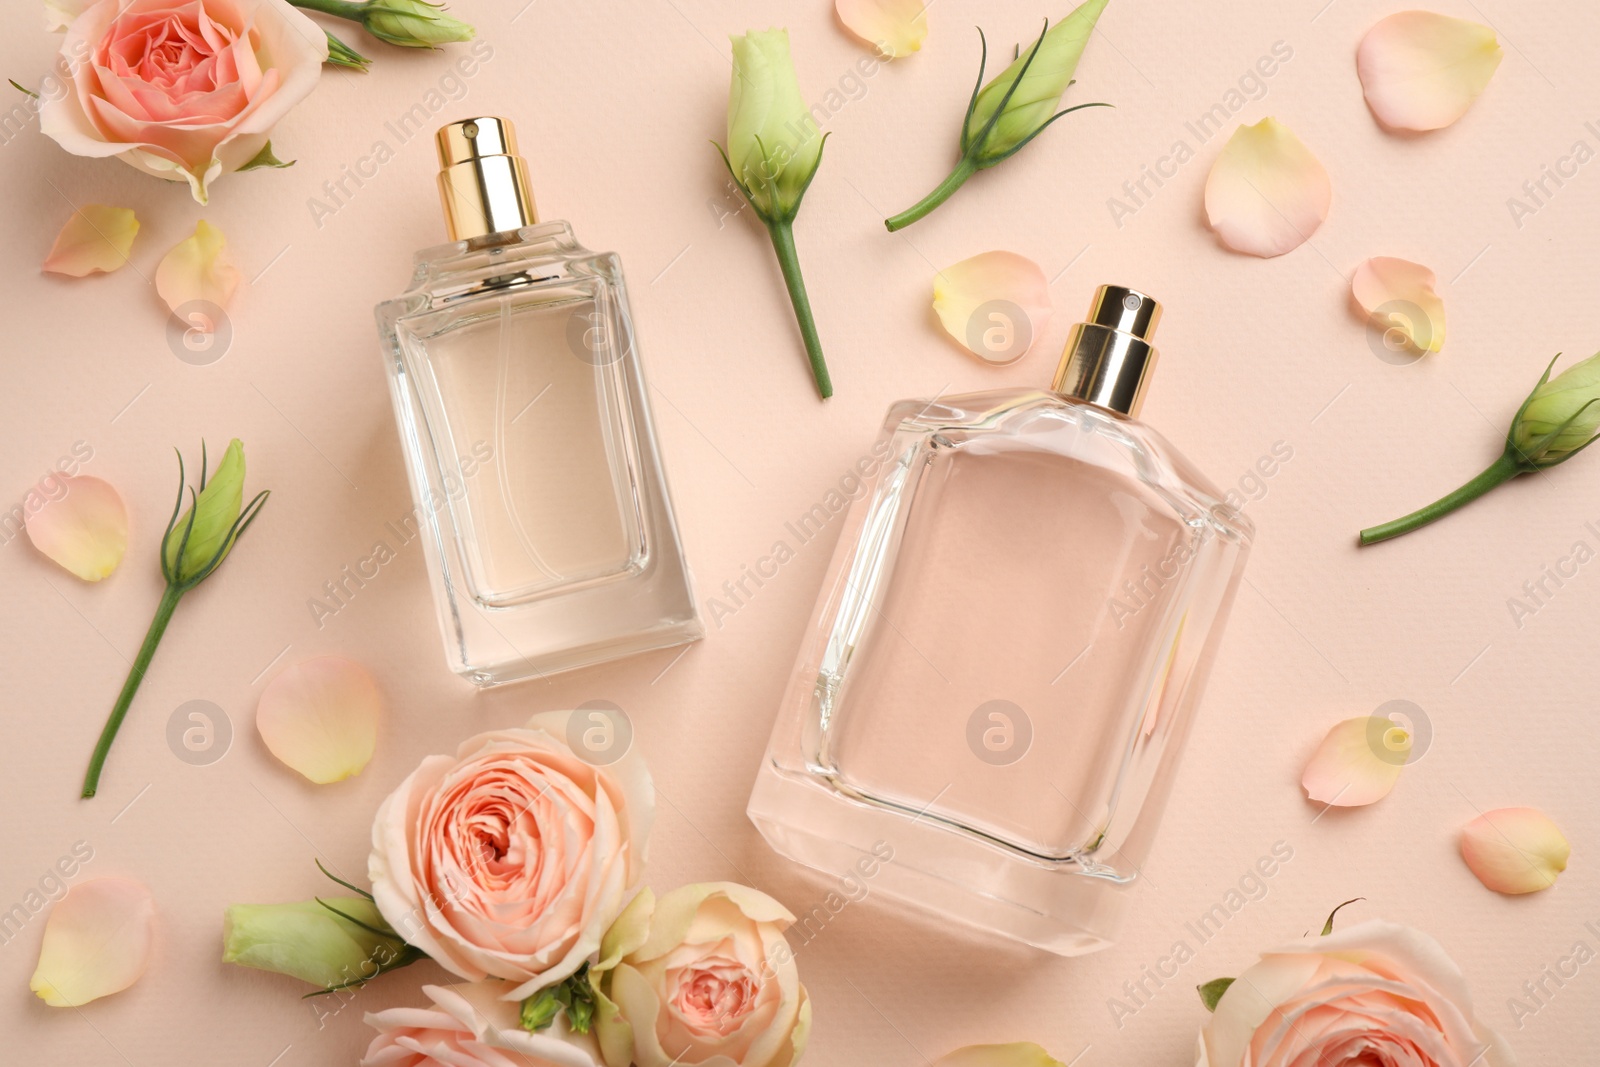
{"x": 615, "y": 104}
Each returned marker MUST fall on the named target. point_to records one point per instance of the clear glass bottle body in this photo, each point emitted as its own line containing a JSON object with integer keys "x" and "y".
{"x": 1004, "y": 663}
{"x": 540, "y": 496}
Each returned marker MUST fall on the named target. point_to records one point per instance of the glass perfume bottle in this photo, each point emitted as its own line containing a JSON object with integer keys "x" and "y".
{"x": 539, "y": 491}
{"x": 1008, "y": 650}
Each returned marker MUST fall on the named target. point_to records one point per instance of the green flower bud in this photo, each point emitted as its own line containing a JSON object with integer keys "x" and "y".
{"x": 413, "y": 23}
{"x": 306, "y": 940}
{"x": 774, "y": 146}
{"x": 1044, "y": 71}
{"x": 198, "y": 542}
{"x": 1560, "y": 416}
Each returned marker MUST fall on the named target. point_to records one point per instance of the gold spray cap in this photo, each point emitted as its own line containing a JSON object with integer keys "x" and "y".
{"x": 1108, "y": 359}
{"x": 483, "y": 182}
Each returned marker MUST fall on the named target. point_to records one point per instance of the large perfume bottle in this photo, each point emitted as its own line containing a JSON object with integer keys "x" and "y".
{"x": 540, "y": 498}
{"x": 1012, "y": 637}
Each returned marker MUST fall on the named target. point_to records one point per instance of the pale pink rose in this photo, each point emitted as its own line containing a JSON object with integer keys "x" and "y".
{"x": 1373, "y": 995}
{"x": 182, "y": 89}
{"x": 511, "y": 859}
{"x": 470, "y": 1026}
{"x": 701, "y": 978}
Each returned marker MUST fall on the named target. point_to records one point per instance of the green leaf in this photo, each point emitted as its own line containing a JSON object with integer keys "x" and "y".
{"x": 1327, "y": 927}
{"x": 540, "y": 1010}
{"x": 265, "y": 158}
{"x": 1212, "y": 991}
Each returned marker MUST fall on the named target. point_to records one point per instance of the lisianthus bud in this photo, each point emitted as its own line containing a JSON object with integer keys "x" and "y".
{"x": 773, "y": 142}
{"x": 1560, "y": 416}
{"x": 308, "y": 941}
{"x": 413, "y": 23}
{"x": 1045, "y": 72}
{"x": 198, "y": 542}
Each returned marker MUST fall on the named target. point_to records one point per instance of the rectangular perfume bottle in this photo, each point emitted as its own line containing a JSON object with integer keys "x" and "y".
{"x": 521, "y": 403}
{"x": 1008, "y": 650}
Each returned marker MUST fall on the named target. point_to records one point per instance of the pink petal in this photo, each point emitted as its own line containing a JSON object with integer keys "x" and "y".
{"x": 1358, "y": 762}
{"x": 96, "y": 238}
{"x": 1515, "y": 850}
{"x": 894, "y": 27}
{"x": 96, "y": 942}
{"x": 1399, "y": 295}
{"x": 320, "y": 717}
{"x": 995, "y": 304}
{"x": 196, "y": 270}
{"x": 86, "y": 530}
{"x": 1266, "y": 193}
{"x": 1422, "y": 71}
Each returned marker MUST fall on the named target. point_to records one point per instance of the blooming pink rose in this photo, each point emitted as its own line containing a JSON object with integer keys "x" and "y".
{"x": 182, "y": 89}
{"x": 470, "y": 1026}
{"x": 1373, "y": 995}
{"x": 511, "y": 859}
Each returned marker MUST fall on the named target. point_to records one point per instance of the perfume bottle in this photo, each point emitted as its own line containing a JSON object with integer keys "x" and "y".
{"x": 522, "y": 409}
{"x": 987, "y": 715}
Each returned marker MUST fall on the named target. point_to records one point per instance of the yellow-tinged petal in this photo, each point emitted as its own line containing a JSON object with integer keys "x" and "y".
{"x": 96, "y": 239}
{"x": 320, "y": 718}
{"x": 995, "y": 304}
{"x": 86, "y": 530}
{"x": 894, "y": 27}
{"x": 1515, "y": 850}
{"x": 1422, "y": 71}
{"x": 197, "y": 270}
{"x": 1358, "y": 762}
{"x": 1266, "y": 193}
{"x": 96, "y": 942}
{"x": 1018, "y": 1054}
{"x": 1399, "y": 296}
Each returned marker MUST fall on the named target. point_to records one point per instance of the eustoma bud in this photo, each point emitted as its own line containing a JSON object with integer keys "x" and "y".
{"x": 332, "y": 944}
{"x": 413, "y": 23}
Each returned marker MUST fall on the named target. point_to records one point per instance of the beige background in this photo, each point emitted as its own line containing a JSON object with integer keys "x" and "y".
{"x": 615, "y": 103}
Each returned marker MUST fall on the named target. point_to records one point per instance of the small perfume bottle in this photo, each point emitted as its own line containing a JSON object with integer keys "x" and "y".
{"x": 523, "y": 414}
{"x": 1008, "y": 650}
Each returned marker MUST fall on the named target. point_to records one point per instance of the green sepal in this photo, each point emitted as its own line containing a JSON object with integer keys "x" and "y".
{"x": 575, "y": 996}
{"x": 1327, "y": 927}
{"x": 265, "y": 158}
{"x": 341, "y": 54}
{"x": 1212, "y": 991}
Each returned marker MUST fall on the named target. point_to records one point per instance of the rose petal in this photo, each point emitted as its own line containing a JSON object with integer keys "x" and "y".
{"x": 1020, "y": 1054}
{"x": 1266, "y": 193}
{"x": 995, "y": 304}
{"x": 1358, "y": 762}
{"x": 1422, "y": 71}
{"x": 320, "y": 717}
{"x": 96, "y": 238}
{"x": 59, "y": 14}
{"x": 96, "y": 942}
{"x": 1515, "y": 850}
{"x": 894, "y": 27}
{"x": 197, "y": 270}
{"x": 1399, "y": 296}
{"x": 86, "y": 531}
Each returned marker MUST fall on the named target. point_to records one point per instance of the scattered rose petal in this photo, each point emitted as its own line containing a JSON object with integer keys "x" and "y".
{"x": 59, "y": 14}
{"x": 1266, "y": 193}
{"x": 1358, "y": 762}
{"x": 995, "y": 304}
{"x": 1515, "y": 850}
{"x": 96, "y": 239}
{"x": 894, "y": 27}
{"x": 196, "y": 270}
{"x": 320, "y": 718}
{"x": 96, "y": 942}
{"x": 1020, "y": 1054}
{"x": 1422, "y": 71}
{"x": 86, "y": 531}
{"x": 1399, "y": 296}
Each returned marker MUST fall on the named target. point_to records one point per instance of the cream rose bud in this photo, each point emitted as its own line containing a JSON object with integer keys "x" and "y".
{"x": 306, "y": 940}
{"x": 510, "y": 859}
{"x": 702, "y": 977}
{"x": 774, "y": 145}
{"x": 1375, "y": 993}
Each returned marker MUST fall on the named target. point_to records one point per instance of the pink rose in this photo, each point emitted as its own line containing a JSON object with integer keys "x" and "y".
{"x": 470, "y": 1026}
{"x": 510, "y": 860}
{"x": 1373, "y": 995}
{"x": 182, "y": 89}
{"x": 702, "y": 978}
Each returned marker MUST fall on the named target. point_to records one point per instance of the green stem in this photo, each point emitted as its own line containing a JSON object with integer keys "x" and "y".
{"x": 964, "y": 170}
{"x": 782, "y": 232}
{"x": 1499, "y": 472}
{"x": 343, "y": 9}
{"x": 141, "y": 663}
